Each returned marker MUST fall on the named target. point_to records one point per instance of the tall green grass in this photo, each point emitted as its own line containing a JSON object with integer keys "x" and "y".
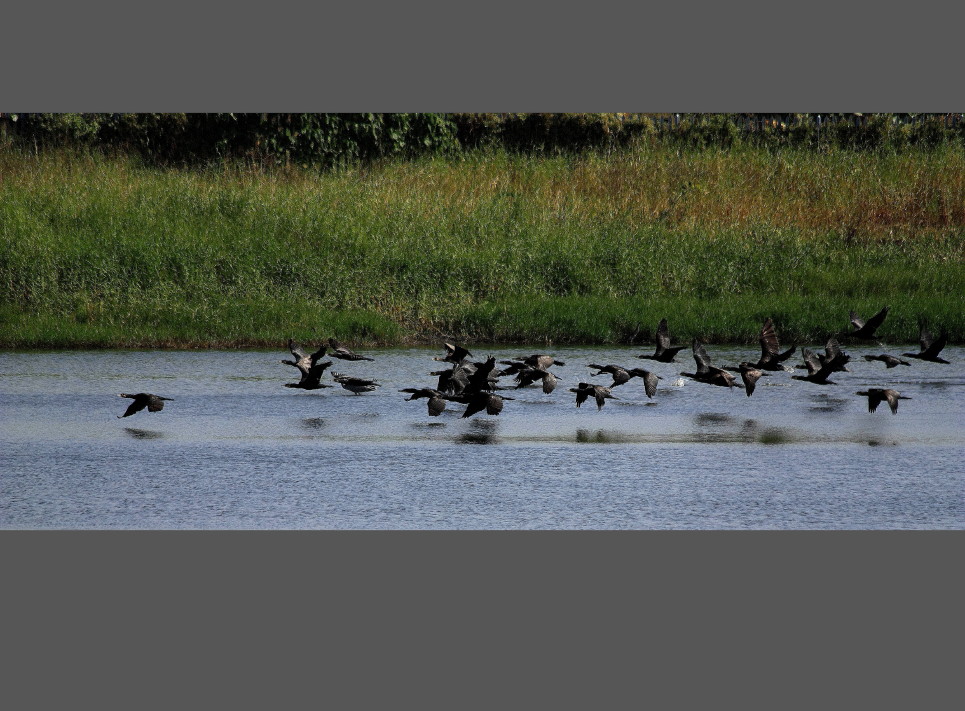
{"x": 489, "y": 246}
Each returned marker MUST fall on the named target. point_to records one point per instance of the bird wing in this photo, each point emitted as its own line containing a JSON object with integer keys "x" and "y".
{"x": 436, "y": 405}
{"x": 582, "y": 394}
{"x": 135, "y": 406}
{"x": 750, "y": 377}
{"x": 494, "y": 405}
{"x": 154, "y": 403}
{"x": 935, "y": 347}
{"x": 474, "y": 406}
{"x": 296, "y": 350}
{"x": 856, "y": 321}
{"x": 701, "y": 357}
{"x": 875, "y": 397}
{"x": 650, "y": 383}
{"x": 832, "y": 349}
{"x": 892, "y": 397}
{"x": 549, "y": 383}
{"x": 663, "y": 336}
{"x": 769, "y": 344}
{"x": 872, "y": 323}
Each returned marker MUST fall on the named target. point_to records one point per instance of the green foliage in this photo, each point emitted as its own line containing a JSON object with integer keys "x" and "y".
{"x": 494, "y": 246}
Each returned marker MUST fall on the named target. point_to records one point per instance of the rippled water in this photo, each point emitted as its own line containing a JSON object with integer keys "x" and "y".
{"x": 235, "y": 449}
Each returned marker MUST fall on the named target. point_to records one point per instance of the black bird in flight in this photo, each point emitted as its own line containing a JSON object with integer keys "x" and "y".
{"x": 930, "y": 348}
{"x": 153, "y": 403}
{"x": 664, "y": 352}
{"x": 876, "y": 395}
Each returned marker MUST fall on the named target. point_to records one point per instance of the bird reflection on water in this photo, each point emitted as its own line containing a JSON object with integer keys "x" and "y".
{"x": 137, "y": 433}
{"x": 480, "y": 432}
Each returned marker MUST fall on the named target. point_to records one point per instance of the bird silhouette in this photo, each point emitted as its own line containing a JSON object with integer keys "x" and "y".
{"x": 529, "y": 375}
{"x": 600, "y": 394}
{"x": 620, "y": 375}
{"x": 355, "y": 385}
{"x": 818, "y": 371}
{"x": 930, "y": 347}
{"x": 664, "y": 352}
{"x": 832, "y": 354}
{"x": 344, "y": 353}
{"x": 749, "y": 376}
{"x": 153, "y": 403}
{"x": 540, "y": 360}
{"x": 706, "y": 372}
{"x": 436, "y": 401}
{"x": 876, "y": 395}
{"x": 454, "y": 354}
{"x": 889, "y": 360}
{"x": 309, "y": 366}
{"x": 866, "y": 329}
{"x": 771, "y": 355}
{"x": 479, "y": 401}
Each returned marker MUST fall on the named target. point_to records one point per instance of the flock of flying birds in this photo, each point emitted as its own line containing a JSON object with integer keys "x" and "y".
{"x": 475, "y": 384}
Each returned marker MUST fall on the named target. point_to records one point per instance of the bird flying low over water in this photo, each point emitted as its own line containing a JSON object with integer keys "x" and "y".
{"x": 355, "y": 385}
{"x": 454, "y": 354}
{"x": 482, "y": 400}
{"x": 866, "y": 329}
{"x": 930, "y": 348}
{"x": 153, "y": 403}
{"x": 876, "y": 395}
{"x": 436, "y": 401}
{"x": 664, "y": 352}
{"x": 342, "y": 352}
{"x": 540, "y": 360}
{"x": 749, "y": 375}
{"x": 599, "y": 393}
{"x": 620, "y": 375}
{"x": 889, "y": 360}
{"x": 529, "y": 375}
{"x": 308, "y": 366}
{"x": 819, "y": 369}
{"x": 832, "y": 354}
{"x": 707, "y": 373}
{"x": 771, "y": 355}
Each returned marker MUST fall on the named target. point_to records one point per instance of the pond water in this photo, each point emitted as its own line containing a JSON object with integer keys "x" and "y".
{"x": 237, "y": 450}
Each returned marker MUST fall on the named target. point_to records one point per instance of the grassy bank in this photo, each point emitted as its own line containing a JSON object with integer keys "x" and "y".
{"x": 98, "y": 252}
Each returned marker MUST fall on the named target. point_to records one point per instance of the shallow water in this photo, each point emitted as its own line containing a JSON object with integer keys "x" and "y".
{"x": 235, "y": 449}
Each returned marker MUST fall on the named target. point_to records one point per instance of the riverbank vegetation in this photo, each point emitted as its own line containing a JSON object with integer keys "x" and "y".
{"x": 485, "y": 245}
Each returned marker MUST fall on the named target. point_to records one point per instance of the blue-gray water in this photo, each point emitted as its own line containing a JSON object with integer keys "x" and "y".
{"x": 235, "y": 449}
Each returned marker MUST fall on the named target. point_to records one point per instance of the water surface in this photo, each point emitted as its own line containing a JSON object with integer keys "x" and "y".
{"x": 235, "y": 449}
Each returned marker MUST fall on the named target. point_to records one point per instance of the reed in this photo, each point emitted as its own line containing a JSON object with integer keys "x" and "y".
{"x": 100, "y": 252}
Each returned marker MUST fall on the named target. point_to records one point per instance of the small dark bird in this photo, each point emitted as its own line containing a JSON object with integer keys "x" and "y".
{"x": 436, "y": 400}
{"x": 889, "y": 360}
{"x": 876, "y": 395}
{"x": 749, "y": 375}
{"x": 355, "y": 385}
{"x": 530, "y": 375}
{"x": 819, "y": 375}
{"x": 620, "y": 375}
{"x": 600, "y": 393}
{"x": 930, "y": 348}
{"x": 340, "y": 351}
{"x": 832, "y": 353}
{"x": 707, "y": 373}
{"x": 771, "y": 356}
{"x": 665, "y": 352}
{"x": 309, "y": 367}
{"x": 153, "y": 403}
{"x": 454, "y": 354}
{"x": 540, "y": 360}
{"x": 477, "y": 402}
{"x": 866, "y": 329}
